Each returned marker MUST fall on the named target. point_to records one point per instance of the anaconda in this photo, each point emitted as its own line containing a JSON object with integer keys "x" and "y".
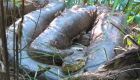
{"x": 74, "y": 62}
{"x": 49, "y": 46}
{"x": 34, "y": 23}
{"x": 104, "y": 38}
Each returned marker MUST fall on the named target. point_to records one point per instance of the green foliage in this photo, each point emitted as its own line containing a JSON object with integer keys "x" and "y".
{"x": 132, "y": 11}
{"x": 70, "y": 3}
{"x": 116, "y": 3}
{"x": 130, "y": 7}
{"x": 18, "y": 3}
{"x": 138, "y": 39}
{"x": 137, "y": 19}
{"x": 128, "y": 42}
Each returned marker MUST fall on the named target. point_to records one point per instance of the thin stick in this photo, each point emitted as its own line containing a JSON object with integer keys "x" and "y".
{"x": 14, "y": 39}
{"x": 124, "y": 33}
{"x": 4, "y": 42}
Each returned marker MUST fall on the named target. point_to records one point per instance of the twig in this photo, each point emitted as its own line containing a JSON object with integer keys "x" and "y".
{"x": 4, "y": 42}
{"x": 124, "y": 33}
{"x": 14, "y": 38}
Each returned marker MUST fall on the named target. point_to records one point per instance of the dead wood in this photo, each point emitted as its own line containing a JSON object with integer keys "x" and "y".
{"x": 125, "y": 66}
{"x": 124, "y": 59}
{"x": 59, "y": 34}
{"x": 130, "y": 72}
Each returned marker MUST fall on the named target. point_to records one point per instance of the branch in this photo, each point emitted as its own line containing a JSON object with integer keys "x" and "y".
{"x": 4, "y": 42}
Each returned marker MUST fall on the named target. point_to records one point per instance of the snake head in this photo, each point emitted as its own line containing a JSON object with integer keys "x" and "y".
{"x": 74, "y": 62}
